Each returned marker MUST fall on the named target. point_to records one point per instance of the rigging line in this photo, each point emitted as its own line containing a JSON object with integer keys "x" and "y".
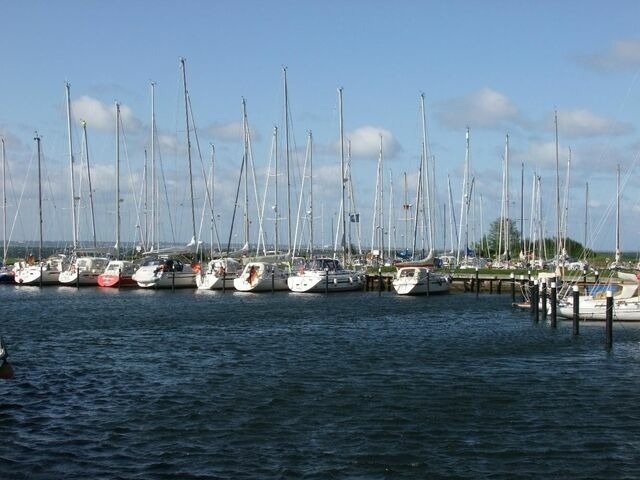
{"x": 208, "y": 191}
{"x": 137, "y": 202}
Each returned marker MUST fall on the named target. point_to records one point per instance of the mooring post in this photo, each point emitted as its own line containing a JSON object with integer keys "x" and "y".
{"x": 584, "y": 278}
{"x": 428, "y": 279}
{"x": 535, "y": 296}
{"x": 380, "y": 286}
{"x": 597, "y": 274}
{"x": 554, "y": 300}
{"x": 326, "y": 280}
{"x": 576, "y": 311}
{"x": 513, "y": 288}
{"x": 224, "y": 279}
{"x": 273, "y": 282}
{"x": 609, "y": 321}
{"x": 543, "y": 293}
{"x": 477, "y": 283}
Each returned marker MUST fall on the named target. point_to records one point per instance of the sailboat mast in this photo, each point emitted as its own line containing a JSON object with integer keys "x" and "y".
{"x": 287, "y": 158}
{"x": 618, "y": 215}
{"x": 37, "y": 139}
{"x": 276, "y": 209}
{"x": 86, "y": 151}
{"x": 427, "y": 190}
{"x": 245, "y": 129}
{"x": 507, "y": 224}
{"x": 186, "y": 114}
{"x": 4, "y": 204}
{"x": 73, "y": 183}
{"x": 342, "y": 179}
{"x": 311, "y": 190}
{"x": 465, "y": 200}
{"x": 522, "y": 209}
{"x": 154, "y": 240}
{"x": 558, "y": 234}
{"x": 117, "y": 246}
{"x": 586, "y": 219}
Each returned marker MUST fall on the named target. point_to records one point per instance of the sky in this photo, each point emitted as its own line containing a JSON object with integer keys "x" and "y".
{"x": 497, "y": 67}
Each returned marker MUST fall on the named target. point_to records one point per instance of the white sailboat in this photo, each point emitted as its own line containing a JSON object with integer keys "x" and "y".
{"x": 169, "y": 269}
{"x": 262, "y": 277}
{"x": 219, "y": 273}
{"x": 420, "y": 280}
{"x": 325, "y": 275}
{"x": 44, "y": 272}
{"x": 83, "y": 270}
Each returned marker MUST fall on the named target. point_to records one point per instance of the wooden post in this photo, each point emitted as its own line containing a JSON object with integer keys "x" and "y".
{"x": 554, "y": 304}
{"x": 534, "y": 301}
{"x": 609, "y": 321}
{"x": 597, "y": 273}
{"x": 477, "y": 283}
{"x": 513, "y": 288}
{"x": 224, "y": 279}
{"x": 543, "y": 298}
{"x": 379, "y": 281}
{"x": 428, "y": 278}
{"x": 273, "y": 282}
{"x": 576, "y": 311}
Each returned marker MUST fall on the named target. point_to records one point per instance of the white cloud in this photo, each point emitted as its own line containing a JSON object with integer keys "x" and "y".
{"x": 583, "y": 123}
{"x": 227, "y": 132}
{"x": 365, "y": 142}
{"x": 622, "y": 55}
{"x": 484, "y": 108}
{"x": 101, "y": 116}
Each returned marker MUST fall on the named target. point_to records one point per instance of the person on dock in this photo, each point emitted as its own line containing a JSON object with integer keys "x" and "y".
{"x": 6, "y": 370}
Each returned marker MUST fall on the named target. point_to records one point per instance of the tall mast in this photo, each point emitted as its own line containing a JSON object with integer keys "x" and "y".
{"x": 286, "y": 140}
{"x": 37, "y": 139}
{"x": 507, "y": 221}
{"x": 276, "y": 209}
{"x": 93, "y": 217}
{"x": 522, "y": 210}
{"x": 558, "y": 234}
{"x": 4, "y": 205}
{"x": 117, "y": 246}
{"x": 464, "y": 214}
{"x": 426, "y": 189}
{"x": 73, "y": 183}
{"x": 618, "y": 216}
{"x": 342, "y": 179}
{"x": 586, "y": 219}
{"x": 155, "y": 238}
{"x": 311, "y": 190}
{"x": 245, "y": 129}
{"x": 186, "y": 114}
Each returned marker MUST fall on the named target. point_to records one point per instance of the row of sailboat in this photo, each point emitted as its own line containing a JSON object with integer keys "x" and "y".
{"x": 272, "y": 270}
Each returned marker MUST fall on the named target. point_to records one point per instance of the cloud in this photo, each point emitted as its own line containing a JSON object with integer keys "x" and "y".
{"x": 101, "y": 116}
{"x": 583, "y": 123}
{"x": 623, "y": 55}
{"x": 231, "y": 132}
{"x": 365, "y": 143}
{"x": 484, "y": 108}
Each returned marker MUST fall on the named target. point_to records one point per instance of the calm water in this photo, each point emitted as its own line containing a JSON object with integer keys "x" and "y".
{"x": 155, "y": 384}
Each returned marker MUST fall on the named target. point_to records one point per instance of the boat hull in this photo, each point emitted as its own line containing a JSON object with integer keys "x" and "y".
{"x": 210, "y": 281}
{"x": 31, "y": 276}
{"x": 321, "y": 282}
{"x": 419, "y": 281}
{"x": 84, "y": 279}
{"x": 116, "y": 281}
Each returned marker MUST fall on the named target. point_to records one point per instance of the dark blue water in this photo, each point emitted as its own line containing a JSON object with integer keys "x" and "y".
{"x": 154, "y": 384}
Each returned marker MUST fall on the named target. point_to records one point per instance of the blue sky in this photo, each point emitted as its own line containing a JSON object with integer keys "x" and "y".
{"x": 496, "y": 66}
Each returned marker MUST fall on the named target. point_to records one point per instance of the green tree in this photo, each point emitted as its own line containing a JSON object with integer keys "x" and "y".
{"x": 492, "y": 239}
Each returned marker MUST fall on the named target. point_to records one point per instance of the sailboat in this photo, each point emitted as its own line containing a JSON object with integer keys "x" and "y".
{"x": 118, "y": 273}
{"x": 268, "y": 272}
{"x": 44, "y": 272}
{"x": 83, "y": 270}
{"x": 170, "y": 269}
{"x": 7, "y": 275}
{"x": 328, "y": 274}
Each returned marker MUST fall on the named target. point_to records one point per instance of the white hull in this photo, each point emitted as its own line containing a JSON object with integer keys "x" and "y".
{"x": 623, "y": 310}
{"x": 31, "y": 276}
{"x": 71, "y": 279}
{"x": 419, "y": 281}
{"x": 151, "y": 279}
{"x": 316, "y": 281}
{"x": 211, "y": 281}
{"x": 261, "y": 277}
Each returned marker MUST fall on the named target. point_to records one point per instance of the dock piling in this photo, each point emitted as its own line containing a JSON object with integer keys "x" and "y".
{"x": 554, "y": 299}
{"x": 609, "y": 321}
{"x": 576, "y": 311}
